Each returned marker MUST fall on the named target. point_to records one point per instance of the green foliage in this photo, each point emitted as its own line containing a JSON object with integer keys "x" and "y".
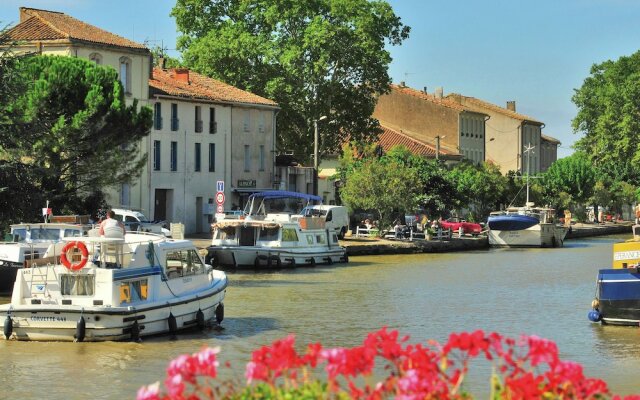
{"x": 382, "y": 185}
{"x": 160, "y": 54}
{"x": 313, "y": 390}
{"x": 315, "y": 58}
{"x": 481, "y": 187}
{"x": 608, "y": 102}
{"x": 72, "y": 131}
{"x": 574, "y": 175}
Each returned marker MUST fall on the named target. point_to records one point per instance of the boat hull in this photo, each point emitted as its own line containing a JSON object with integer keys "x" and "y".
{"x": 619, "y": 296}
{"x": 259, "y": 257}
{"x": 8, "y": 275}
{"x": 539, "y": 235}
{"x": 60, "y": 323}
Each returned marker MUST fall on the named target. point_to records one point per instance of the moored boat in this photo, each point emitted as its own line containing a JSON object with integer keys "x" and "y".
{"x": 617, "y": 300}
{"x": 270, "y": 234}
{"x": 527, "y": 226}
{"x": 30, "y": 242}
{"x": 110, "y": 288}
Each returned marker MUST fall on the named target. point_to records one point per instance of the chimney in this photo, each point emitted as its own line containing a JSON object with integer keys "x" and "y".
{"x": 402, "y": 84}
{"x": 162, "y": 63}
{"x": 181, "y": 74}
{"x": 439, "y": 92}
{"x": 511, "y": 105}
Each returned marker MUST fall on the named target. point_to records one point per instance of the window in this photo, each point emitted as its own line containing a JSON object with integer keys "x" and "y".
{"x": 246, "y": 123}
{"x": 261, "y": 123}
{"x": 134, "y": 291}
{"x": 213, "y": 125}
{"x": 289, "y": 235}
{"x": 125, "y": 74}
{"x": 247, "y": 158}
{"x": 184, "y": 263}
{"x": 261, "y": 157}
{"x": 156, "y": 155}
{"x": 212, "y": 157}
{"x": 198, "y": 119}
{"x": 174, "y": 156}
{"x": 269, "y": 234}
{"x": 197, "y": 162}
{"x": 174, "y": 117}
{"x": 77, "y": 285}
{"x": 95, "y": 58}
{"x": 157, "y": 116}
{"x": 125, "y": 194}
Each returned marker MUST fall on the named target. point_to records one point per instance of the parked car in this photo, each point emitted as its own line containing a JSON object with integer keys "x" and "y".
{"x": 468, "y": 228}
{"x": 336, "y": 217}
{"x": 136, "y": 221}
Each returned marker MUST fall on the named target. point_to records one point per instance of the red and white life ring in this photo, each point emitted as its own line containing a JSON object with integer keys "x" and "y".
{"x": 72, "y": 246}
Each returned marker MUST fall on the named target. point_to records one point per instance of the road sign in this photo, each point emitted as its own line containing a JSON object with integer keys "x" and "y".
{"x": 220, "y": 186}
{"x": 220, "y": 209}
{"x": 220, "y": 198}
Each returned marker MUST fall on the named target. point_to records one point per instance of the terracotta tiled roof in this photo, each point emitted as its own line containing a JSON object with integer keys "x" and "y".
{"x": 445, "y": 102}
{"x": 492, "y": 107}
{"x": 550, "y": 139}
{"x": 181, "y": 82}
{"x": 44, "y": 25}
{"x": 389, "y": 138}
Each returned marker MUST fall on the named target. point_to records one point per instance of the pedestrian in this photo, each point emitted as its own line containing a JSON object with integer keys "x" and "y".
{"x": 638, "y": 214}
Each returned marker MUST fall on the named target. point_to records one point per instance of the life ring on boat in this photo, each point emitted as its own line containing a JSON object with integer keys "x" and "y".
{"x": 72, "y": 246}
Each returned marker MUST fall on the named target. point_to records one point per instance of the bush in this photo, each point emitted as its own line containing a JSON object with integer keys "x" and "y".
{"x": 526, "y": 368}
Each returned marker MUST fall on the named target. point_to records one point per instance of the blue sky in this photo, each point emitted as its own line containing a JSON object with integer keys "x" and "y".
{"x": 533, "y": 52}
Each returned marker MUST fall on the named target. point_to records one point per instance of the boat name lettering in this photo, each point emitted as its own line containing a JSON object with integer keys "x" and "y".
{"x": 626, "y": 255}
{"x": 246, "y": 183}
{"x": 48, "y": 319}
{"x": 185, "y": 280}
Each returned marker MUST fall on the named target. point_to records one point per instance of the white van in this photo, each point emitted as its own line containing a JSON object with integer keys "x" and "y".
{"x": 136, "y": 221}
{"x": 336, "y": 217}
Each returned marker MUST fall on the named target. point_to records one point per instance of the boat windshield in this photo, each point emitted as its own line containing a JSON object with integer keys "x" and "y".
{"x": 313, "y": 212}
{"x": 22, "y": 235}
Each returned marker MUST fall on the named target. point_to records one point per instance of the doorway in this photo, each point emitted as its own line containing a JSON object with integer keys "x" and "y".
{"x": 199, "y": 214}
{"x": 160, "y": 209}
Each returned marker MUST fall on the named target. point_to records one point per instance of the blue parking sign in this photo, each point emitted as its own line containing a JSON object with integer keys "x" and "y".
{"x": 220, "y": 186}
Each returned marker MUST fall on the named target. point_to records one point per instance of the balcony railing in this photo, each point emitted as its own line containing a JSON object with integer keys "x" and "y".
{"x": 175, "y": 124}
{"x": 213, "y": 127}
{"x": 198, "y": 126}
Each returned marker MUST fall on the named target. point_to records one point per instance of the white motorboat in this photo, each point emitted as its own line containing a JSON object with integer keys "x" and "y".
{"x": 109, "y": 288}
{"x": 32, "y": 241}
{"x": 525, "y": 227}
{"x": 268, "y": 236}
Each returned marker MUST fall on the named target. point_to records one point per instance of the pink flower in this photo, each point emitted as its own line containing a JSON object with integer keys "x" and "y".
{"x": 151, "y": 392}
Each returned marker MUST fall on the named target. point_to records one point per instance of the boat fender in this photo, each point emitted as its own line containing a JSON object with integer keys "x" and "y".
{"x": 220, "y": 313}
{"x": 173, "y": 325}
{"x": 135, "y": 331}
{"x": 278, "y": 261}
{"x": 312, "y": 262}
{"x": 595, "y": 316}
{"x": 8, "y": 327}
{"x": 553, "y": 242}
{"x": 329, "y": 260}
{"x": 292, "y": 262}
{"x": 81, "y": 327}
{"x": 256, "y": 262}
{"x": 346, "y": 257}
{"x": 200, "y": 319}
{"x": 269, "y": 262}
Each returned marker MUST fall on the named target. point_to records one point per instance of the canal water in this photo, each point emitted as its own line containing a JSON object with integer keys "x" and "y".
{"x": 544, "y": 292}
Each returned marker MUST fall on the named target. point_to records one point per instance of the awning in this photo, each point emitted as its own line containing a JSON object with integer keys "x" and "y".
{"x": 327, "y": 173}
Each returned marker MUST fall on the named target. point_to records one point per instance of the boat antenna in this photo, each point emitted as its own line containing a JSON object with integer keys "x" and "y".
{"x": 528, "y": 149}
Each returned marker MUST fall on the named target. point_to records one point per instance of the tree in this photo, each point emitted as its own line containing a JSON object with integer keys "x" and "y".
{"x": 437, "y": 192}
{"x": 574, "y": 175}
{"x": 382, "y": 185}
{"x": 72, "y": 132}
{"x": 479, "y": 186}
{"x": 315, "y": 58}
{"x": 608, "y": 104}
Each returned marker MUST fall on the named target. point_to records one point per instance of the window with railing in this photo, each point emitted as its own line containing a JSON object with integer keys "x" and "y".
{"x": 156, "y": 155}
{"x": 213, "y": 125}
{"x": 212, "y": 157}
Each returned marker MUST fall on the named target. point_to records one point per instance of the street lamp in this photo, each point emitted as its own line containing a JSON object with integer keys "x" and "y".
{"x": 438, "y": 146}
{"x": 316, "y": 139}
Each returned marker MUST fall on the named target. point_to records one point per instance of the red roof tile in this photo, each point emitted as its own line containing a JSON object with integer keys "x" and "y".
{"x": 489, "y": 106}
{"x": 389, "y": 138}
{"x": 173, "y": 82}
{"x": 51, "y": 25}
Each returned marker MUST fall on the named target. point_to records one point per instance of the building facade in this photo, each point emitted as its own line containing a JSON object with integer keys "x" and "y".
{"x": 204, "y": 131}
{"x": 435, "y": 120}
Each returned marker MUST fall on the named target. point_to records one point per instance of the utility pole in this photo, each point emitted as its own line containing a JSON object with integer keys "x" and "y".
{"x": 438, "y": 146}
{"x": 316, "y": 139}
